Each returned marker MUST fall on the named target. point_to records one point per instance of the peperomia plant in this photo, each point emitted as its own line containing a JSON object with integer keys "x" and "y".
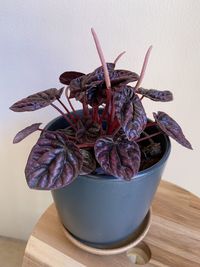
{"x": 108, "y": 134}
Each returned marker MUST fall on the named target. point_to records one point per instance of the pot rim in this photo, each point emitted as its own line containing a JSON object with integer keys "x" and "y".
{"x": 139, "y": 175}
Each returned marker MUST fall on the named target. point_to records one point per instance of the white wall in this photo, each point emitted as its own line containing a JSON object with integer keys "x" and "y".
{"x": 41, "y": 39}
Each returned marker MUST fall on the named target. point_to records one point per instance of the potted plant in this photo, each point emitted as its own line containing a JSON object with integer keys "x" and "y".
{"x": 102, "y": 163}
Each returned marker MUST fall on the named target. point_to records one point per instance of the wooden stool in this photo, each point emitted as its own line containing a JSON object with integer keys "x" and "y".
{"x": 173, "y": 239}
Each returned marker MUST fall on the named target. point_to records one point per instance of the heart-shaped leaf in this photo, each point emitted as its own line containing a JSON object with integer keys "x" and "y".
{"x": 26, "y": 132}
{"x": 130, "y": 112}
{"x": 156, "y": 95}
{"x": 68, "y": 76}
{"x": 53, "y": 163}
{"x": 89, "y": 162}
{"x": 171, "y": 128}
{"x": 37, "y": 101}
{"x": 120, "y": 158}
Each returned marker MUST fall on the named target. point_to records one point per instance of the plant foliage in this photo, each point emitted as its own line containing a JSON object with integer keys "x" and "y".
{"x": 106, "y": 137}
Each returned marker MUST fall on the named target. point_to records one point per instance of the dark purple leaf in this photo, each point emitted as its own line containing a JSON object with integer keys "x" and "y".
{"x": 120, "y": 158}
{"x": 89, "y": 162}
{"x": 37, "y": 101}
{"x": 25, "y": 132}
{"x": 88, "y": 131}
{"x": 93, "y": 86}
{"x": 110, "y": 66}
{"x": 76, "y": 88}
{"x": 53, "y": 163}
{"x": 156, "y": 95}
{"x": 68, "y": 76}
{"x": 130, "y": 112}
{"x": 171, "y": 128}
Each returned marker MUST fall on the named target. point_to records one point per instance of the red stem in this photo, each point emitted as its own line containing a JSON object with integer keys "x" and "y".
{"x": 112, "y": 116}
{"x": 149, "y": 124}
{"x": 71, "y": 106}
{"x": 119, "y": 56}
{"x": 64, "y": 115}
{"x": 147, "y": 137}
{"x": 143, "y": 68}
{"x": 85, "y": 108}
{"x": 95, "y": 115}
{"x": 85, "y": 145}
{"x": 67, "y": 110}
{"x": 116, "y": 130}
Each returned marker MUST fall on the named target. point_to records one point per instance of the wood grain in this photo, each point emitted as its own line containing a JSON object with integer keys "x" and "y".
{"x": 173, "y": 238}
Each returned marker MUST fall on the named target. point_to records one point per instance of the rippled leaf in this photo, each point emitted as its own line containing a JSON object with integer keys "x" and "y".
{"x": 120, "y": 158}
{"x": 156, "y": 95}
{"x": 87, "y": 131}
{"x": 110, "y": 66}
{"x": 89, "y": 162}
{"x": 37, "y": 101}
{"x": 26, "y": 132}
{"x": 76, "y": 88}
{"x": 93, "y": 86}
{"x": 53, "y": 163}
{"x": 171, "y": 128}
{"x": 68, "y": 76}
{"x": 130, "y": 112}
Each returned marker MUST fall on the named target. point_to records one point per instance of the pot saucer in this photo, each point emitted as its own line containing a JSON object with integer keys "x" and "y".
{"x": 121, "y": 247}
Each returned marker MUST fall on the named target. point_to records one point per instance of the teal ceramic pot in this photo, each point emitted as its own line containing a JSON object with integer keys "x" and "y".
{"x": 102, "y": 210}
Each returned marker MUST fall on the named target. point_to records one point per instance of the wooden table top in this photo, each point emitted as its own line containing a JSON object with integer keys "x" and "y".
{"x": 173, "y": 238}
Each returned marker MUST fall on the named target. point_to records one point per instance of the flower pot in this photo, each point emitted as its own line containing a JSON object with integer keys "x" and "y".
{"x": 104, "y": 210}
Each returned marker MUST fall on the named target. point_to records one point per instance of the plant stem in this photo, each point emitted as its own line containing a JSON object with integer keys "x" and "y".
{"x": 71, "y": 106}
{"x": 85, "y": 145}
{"x": 102, "y": 59}
{"x": 95, "y": 115}
{"x": 105, "y": 69}
{"x": 112, "y": 116}
{"x": 147, "y": 137}
{"x": 149, "y": 124}
{"x": 143, "y": 68}
{"x": 116, "y": 130}
{"x": 71, "y": 137}
{"x": 119, "y": 56}
{"x": 67, "y": 110}
{"x": 64, "y": 116}
{"x": 85, "y": 108}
